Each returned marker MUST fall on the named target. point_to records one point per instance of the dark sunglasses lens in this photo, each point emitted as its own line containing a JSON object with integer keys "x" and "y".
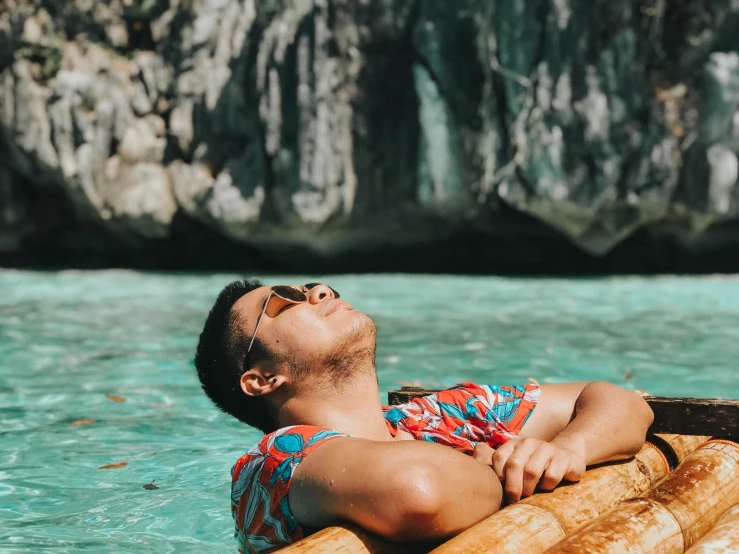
{"x": 289, "y": 294}
{"x": 311, "y": 285}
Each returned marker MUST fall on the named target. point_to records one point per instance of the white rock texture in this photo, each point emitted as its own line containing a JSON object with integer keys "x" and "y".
{"x": 345, "y": 127}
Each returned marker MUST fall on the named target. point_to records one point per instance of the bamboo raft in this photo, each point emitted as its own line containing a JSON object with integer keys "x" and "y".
{"x": 680, "y": 493}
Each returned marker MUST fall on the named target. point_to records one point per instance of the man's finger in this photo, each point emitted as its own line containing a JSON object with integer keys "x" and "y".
{"x": 500, "y": 457}
{"x": 554, "y": 473}
{"x": 515, "y": 466}
{"x": 535, "y": 467}
{"x": 483, "y": 454}
{"x": 574, "y": 473}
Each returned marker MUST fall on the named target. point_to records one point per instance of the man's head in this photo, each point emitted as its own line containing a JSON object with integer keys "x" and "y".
{"x": 314, "y": 346}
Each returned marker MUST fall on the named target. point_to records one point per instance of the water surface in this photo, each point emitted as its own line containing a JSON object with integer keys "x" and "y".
{"x": 69, "y": 339}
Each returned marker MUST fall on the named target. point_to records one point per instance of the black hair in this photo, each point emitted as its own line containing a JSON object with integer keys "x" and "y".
{"x": 220, "y": 355}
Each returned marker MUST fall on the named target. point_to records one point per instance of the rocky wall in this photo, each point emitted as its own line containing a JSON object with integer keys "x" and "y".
{"x": 514, "y": 135}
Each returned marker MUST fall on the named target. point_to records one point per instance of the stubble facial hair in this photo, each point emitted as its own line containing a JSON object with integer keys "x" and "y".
{"x": 352, "y": 357}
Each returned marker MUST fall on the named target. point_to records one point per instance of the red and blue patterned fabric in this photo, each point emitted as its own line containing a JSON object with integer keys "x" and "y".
{"x": 260, "y": 481}
{"x": 459, "y": 417}
{"x": 465, "y": 415}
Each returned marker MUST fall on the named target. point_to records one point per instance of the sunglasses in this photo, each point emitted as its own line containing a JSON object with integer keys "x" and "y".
{"x": 293, "y": 295}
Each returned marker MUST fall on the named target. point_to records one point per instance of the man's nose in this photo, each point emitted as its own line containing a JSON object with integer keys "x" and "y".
{"x": 319, "y": 293}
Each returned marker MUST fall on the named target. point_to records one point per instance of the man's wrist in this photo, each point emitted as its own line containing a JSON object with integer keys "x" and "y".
{"x": 573, "y": 442}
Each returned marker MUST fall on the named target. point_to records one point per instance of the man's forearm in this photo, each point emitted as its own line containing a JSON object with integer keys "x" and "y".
{"x": 610, "y": 423}
{"x": 574, "y": 425}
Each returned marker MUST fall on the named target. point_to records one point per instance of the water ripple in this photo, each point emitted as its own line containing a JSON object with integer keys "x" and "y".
{"x": 69, "y": 339}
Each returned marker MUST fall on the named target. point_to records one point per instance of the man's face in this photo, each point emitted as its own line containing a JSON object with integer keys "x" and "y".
{"x": 308, "y": 335}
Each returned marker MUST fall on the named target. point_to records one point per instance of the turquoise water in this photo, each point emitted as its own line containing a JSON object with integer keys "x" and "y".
{"x": 69, "y": 339}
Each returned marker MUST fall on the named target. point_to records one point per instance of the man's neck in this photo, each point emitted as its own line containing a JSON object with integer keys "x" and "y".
{"x": 354, "y": 409}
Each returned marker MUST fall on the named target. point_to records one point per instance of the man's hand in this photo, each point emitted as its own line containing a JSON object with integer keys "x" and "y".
{"x": 521, "y": 465}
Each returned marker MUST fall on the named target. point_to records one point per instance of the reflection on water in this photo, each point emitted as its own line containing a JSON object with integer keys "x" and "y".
{"x": 69, "y": 339}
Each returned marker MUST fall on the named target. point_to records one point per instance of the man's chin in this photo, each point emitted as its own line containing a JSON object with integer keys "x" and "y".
{"x": 354, "y": 352}
{"x": 362, "y": 326}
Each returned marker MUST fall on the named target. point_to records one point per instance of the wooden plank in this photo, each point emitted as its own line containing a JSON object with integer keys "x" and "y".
{"x": 695, "y": 416}
{"x": 682, "y": 416}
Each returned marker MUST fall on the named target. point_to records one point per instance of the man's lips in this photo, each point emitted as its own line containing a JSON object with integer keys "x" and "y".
{"x": 335, "y": 304}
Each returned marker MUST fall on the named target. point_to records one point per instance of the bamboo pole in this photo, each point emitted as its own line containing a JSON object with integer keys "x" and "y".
{"x": 723, "y": 538}
{"x": 636, "y": 526}
{"x": 670, "y": 517}
{"x": 537, "y": 522}
{"x": 344, "y": 540}
{"x": 540, "y": 521}
{"x": 682, "y": 445}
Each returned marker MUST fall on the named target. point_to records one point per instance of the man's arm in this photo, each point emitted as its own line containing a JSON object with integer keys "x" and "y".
{"x": 573, "y": 425}
{"x": 400, "y": 490}
{"x": 604, "y": 421}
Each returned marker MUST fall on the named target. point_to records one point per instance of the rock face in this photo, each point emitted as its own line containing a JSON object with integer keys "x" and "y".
{"x": 356, "y": 134}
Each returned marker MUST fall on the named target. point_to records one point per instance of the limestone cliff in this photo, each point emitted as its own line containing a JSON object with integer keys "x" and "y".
{"x": 492, "y": 135}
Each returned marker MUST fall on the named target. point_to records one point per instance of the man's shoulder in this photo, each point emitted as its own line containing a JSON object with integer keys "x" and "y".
{"x": 261, "y": 481}
{"x": 288, "y": 444}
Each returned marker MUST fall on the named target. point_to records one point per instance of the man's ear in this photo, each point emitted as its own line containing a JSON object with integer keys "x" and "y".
{"x": 255, "y": 382}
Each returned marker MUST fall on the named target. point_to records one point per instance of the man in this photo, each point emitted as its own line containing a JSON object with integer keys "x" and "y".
{"x": 299, "y": 364}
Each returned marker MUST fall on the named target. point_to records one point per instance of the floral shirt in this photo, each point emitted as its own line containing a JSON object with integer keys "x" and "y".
{"x": 459, "y": 417}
